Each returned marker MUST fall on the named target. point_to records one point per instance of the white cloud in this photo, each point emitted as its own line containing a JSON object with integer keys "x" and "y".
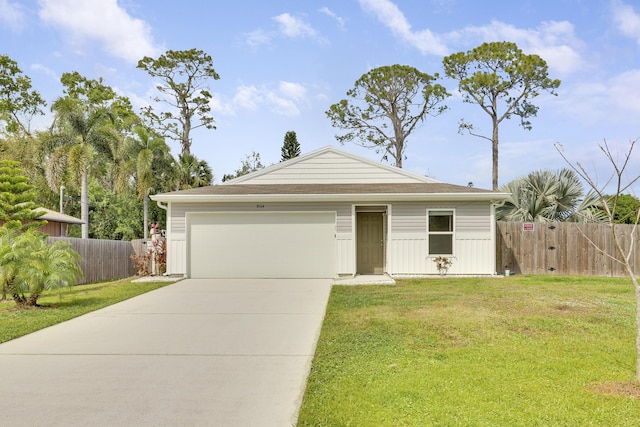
{"x": 388, "y": 13}
{"x": 294, "y": 27}
{"x": 247, "y": 97}
{"x": 12, "y": 15}
{"x": 257, "y": 38}
{"x": 293, "y": 90}
{"x": 284, "y": 99}
{"x": 45, "y": 70}
{"x": 282, "y": 105}
{"x": 341, "y": 21}
{"x": 613, "y": 100}
{"x": 553, "y": 41}
{"x": 288, "y": 26}
{"x": 626, "y": 19}
{"x": 623, "y": 94}
{"x": 105, "y": 22}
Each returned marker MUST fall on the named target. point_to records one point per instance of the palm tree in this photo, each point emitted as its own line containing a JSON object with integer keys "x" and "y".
{"x": 28, "y": 265}
{"x": 192, "y": 172}
{"x": 82, "y": 134}
{"x": 89, "y": 123}
{"x": 152, "y": 163}
{"x": 545, "y": 196}
{"x": 50, "y": 266}
{"x": 11, "y": 254}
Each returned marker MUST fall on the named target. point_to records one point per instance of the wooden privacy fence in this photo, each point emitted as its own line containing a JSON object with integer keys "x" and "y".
{"x": 562, "y": 248}
{"x": 102, "y": 259}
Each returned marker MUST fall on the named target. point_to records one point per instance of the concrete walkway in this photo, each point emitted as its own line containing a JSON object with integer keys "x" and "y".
{"x": 195, "y": 353}
{"x": 365, "y": 279}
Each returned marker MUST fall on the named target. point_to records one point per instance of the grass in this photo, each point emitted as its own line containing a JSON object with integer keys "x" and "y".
{"x": 57, "y": 306}
{"x": 518, "y": 351}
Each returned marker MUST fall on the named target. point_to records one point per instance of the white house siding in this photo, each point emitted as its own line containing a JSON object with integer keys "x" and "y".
{"x": 177, "y": 250}
{"x": 473, "y": 239}
{"x": 346, "y": 256}
{"x": 332, "y": 168}
{"x": 407, "y": 235}
{"x": 177, "y": 256}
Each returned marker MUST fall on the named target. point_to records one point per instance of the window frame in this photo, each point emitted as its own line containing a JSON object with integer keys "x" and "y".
{"x": 451, "y": 233}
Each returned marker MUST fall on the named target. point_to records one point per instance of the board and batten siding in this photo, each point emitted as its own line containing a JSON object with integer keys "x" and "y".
{"x": 473, "y": 239}
{"x": 332, "y": 168}
{"x": 177, "y": 229}
{"x": 406, "y": 249}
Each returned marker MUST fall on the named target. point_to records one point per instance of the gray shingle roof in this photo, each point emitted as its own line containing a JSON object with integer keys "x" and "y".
{"x": 319, "y": 189}
{"x": 50, "y": 215}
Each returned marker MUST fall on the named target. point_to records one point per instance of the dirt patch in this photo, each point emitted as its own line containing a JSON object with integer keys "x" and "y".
{"x": 617, "y": 389}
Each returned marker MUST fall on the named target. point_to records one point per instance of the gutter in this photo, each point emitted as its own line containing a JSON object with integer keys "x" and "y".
{"x": 368, "y": 197}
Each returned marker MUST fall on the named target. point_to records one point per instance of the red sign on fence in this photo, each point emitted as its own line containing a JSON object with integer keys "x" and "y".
{"x": 527, "y": 226}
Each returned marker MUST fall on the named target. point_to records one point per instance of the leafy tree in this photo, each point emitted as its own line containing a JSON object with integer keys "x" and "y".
{"x": 502, "y": 80}
{"x": 192, "y": 172}
{"x": 545, "y": 196}
{"x": 114, "y": 216}
{"x": 251, "y": 163}
{"x": 183, "y": 77}
{"x": 627, "y": 207}
{"x": 290, "y": 146}
{"x": 622, "y": 180}
{"x": 89, "y": 120}
{"x": 28, "y": 265}
{"x": 18, "y": 102}
{"x": 386, "y": 105}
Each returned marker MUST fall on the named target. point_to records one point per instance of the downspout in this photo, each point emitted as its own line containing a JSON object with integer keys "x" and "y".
{"x": 493, "y": 236}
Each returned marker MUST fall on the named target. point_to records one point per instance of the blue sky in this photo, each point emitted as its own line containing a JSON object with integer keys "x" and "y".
{"x": 283, "y": 63}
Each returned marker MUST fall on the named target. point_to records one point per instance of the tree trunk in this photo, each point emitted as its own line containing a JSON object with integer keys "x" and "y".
{"x": 636, "y": 287}
{"x": 84, "y": 204}
{"x": 186, "y": 133}
{"x": 624, "y": 259}
{"x": 32, "y": 301}
{"x": 19, "y": 300}
{"x": 145, "y": 201}
{"x": 494, "y": 149}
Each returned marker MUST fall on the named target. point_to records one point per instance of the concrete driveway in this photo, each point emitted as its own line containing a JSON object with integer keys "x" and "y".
{"x": 195, "y": 353}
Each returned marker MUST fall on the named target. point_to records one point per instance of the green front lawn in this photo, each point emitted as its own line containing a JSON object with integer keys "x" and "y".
{"x": 58, "y": 306}
{"x": 518, "y": 351}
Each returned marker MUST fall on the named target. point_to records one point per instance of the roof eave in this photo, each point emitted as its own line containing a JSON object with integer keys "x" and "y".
{"x": 359, "y": 197}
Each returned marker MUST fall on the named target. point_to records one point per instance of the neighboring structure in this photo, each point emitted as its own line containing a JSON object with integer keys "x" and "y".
{"x": 328, "y": 214}
{"x": 57, "y": 223}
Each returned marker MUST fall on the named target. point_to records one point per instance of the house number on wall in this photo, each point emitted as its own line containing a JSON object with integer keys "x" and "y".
{"x": 259, "y": 206}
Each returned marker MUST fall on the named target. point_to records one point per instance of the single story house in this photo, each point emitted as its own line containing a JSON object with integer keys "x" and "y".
{"x": 57, "y": 223}
{"x": 329, "y": 214}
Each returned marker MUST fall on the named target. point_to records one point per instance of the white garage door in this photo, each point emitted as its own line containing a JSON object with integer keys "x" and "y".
{"x": 262, "y": 245}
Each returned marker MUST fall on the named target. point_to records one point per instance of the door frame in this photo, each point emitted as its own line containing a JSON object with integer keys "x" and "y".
{"x": 371, "y": 208}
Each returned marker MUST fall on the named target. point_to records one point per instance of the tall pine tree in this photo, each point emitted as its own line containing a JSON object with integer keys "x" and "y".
{"x": 17, "y": 206}
{"x": 290, "y": 146}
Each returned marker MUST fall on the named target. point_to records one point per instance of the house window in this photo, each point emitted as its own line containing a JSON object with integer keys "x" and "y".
{"x": 440, "y": 229}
